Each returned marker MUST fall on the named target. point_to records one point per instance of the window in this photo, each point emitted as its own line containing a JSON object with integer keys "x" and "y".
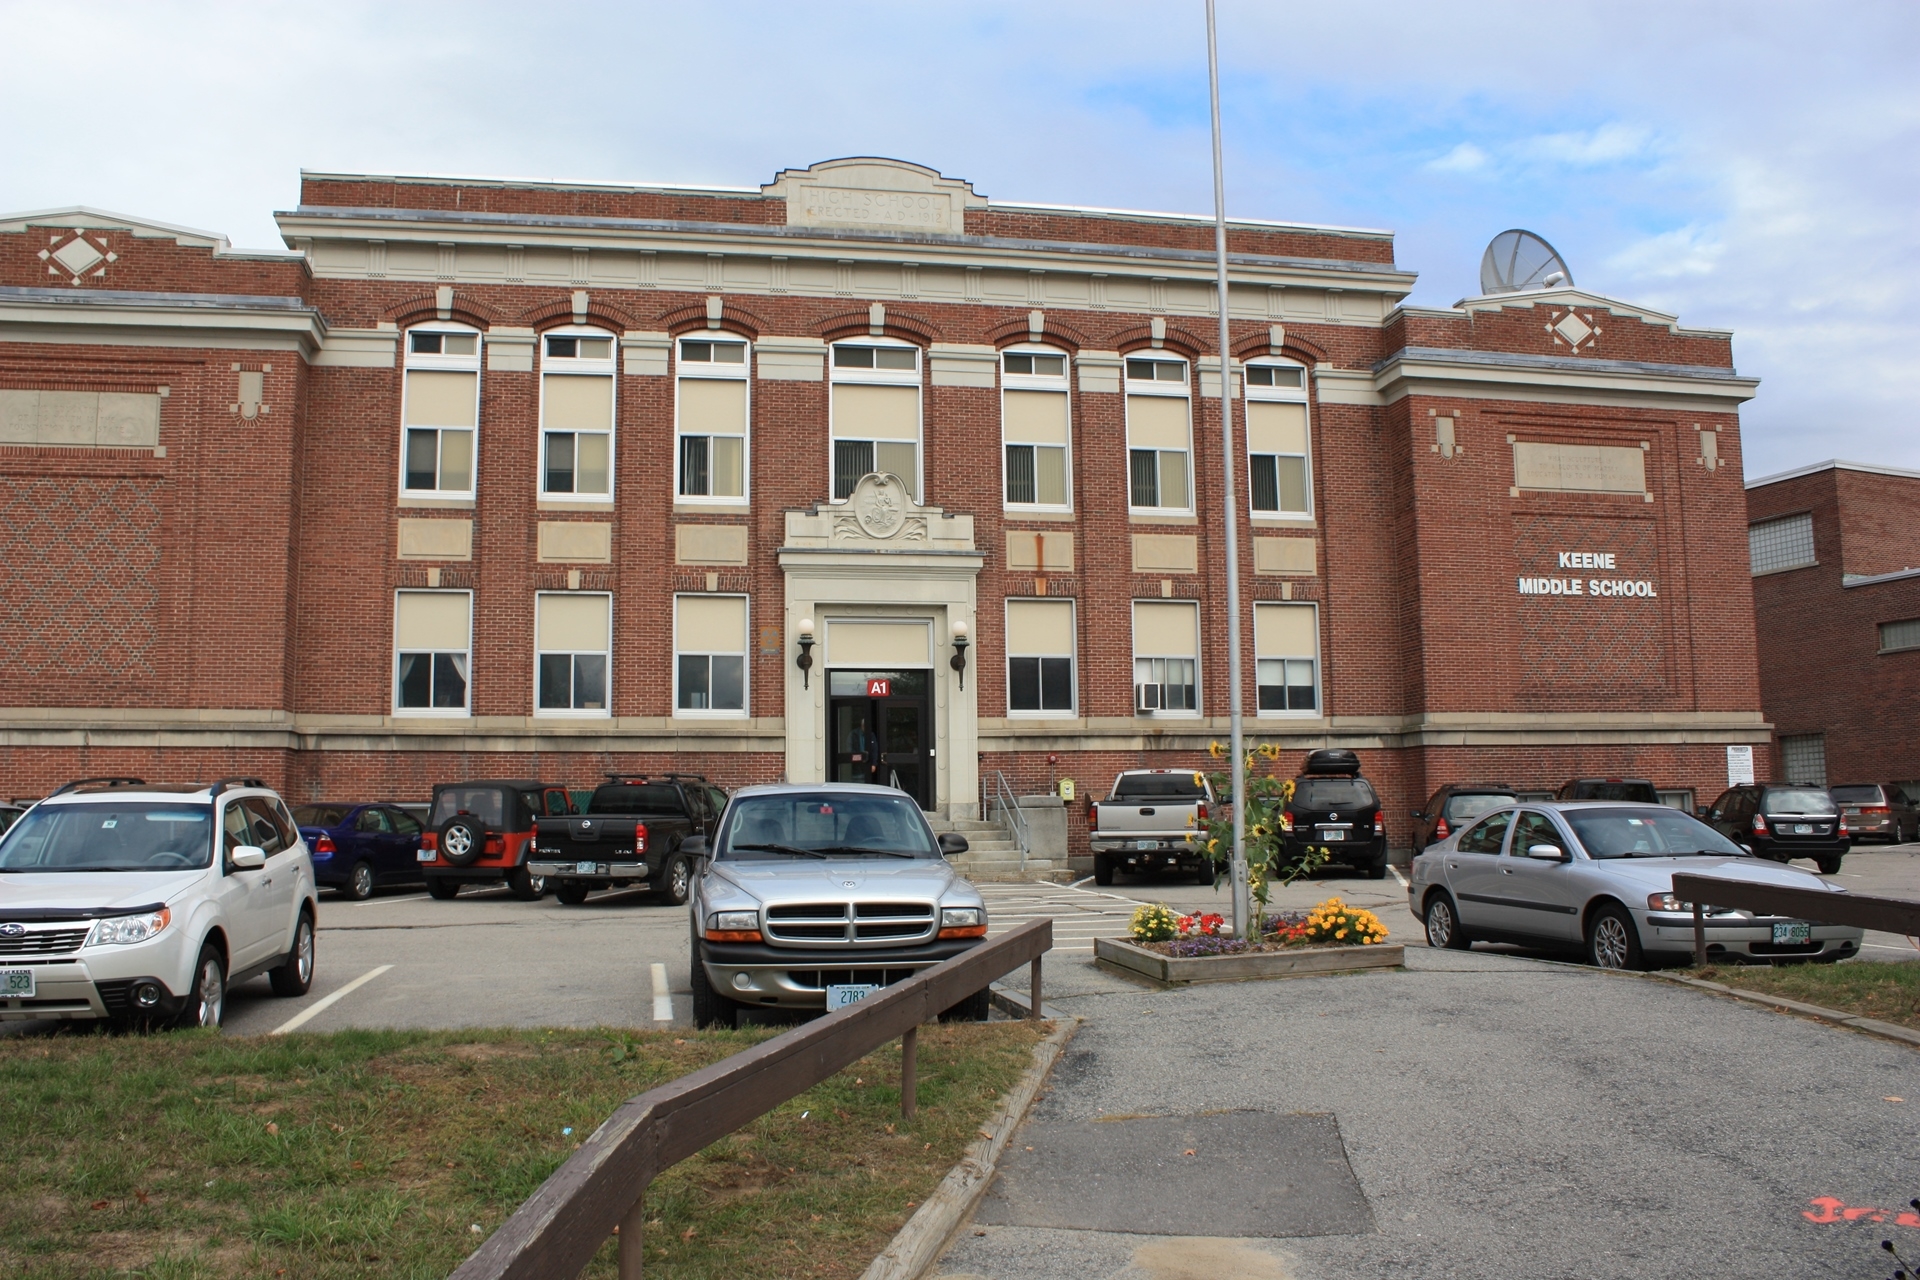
{"x": 1803, "y": 756}
{"x": 876, "y": 414}
{"x": 576, "y": 415}
{"x": 1035, "y": 427}
{"x": 1487, "y": 837}
{"x": 573, "y": 637}
{"x": 1040, "y": 656}
{"x": 1533, "y": 829}
{"x": 1166, "y": 651}
{"x": 710, "y": 655}
{"x": 432, "y": 632}
{"x": 441, "y": 410}
{"x": 1286, "y": 643}
{"x": 1900, "y": 635}
{"x": 712, "y": 419}
{"x": 1786, "y": 543}
{"x": 1159, "y": 446}
{"x": 1277, "y": 440}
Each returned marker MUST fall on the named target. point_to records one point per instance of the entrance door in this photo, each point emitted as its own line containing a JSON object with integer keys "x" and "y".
{"x": 882, "y": 730}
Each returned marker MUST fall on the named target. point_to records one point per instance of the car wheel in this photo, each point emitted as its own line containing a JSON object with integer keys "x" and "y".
{"x": 295, "y": 977}
{"x": 1612, "y": 940}
{"x": 571, "y": 892}
{"x": 443, "y": 888}
{"x": 1378, "y": 870}
{"x": 1443, "y": 925}
{"x": 526, "y": 886}
{"x": 711, "y": 1010}
{"x": 1102, "y": 869}
{"x": 1204, "y": 874}
{"x": 676, "y": 882}
{"x": 1829, "y": 866}
{"x": 359, "y": 885}
{"x": 207, "y": 1001}
{"x": 462, "y": 839}
{"x": 977, "y": 1007}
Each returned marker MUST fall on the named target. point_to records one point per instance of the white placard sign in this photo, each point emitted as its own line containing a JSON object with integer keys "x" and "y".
{"x": 1739, "y": 766}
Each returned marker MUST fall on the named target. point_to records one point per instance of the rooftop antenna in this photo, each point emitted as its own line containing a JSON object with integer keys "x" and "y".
{"x": 1517, "y": 260}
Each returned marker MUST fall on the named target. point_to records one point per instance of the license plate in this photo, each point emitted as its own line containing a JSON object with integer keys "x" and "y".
{"x": 423, "y": 855}
{"x": 1853, "y": 811}
{"x": 16, "y": 984}
{"x": 585, "y": 868}
{"x": 1331, "y": 836}
{"x": 839, "y": 997}
{"x": 1793, "y": 932}
{"x": 1146, "y": 844}
{"x": 1803, "y": 828}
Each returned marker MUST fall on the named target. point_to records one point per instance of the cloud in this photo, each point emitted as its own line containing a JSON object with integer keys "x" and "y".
{"x": 1609, "y": 144}
{"x": 1464, "y": 158}
{"x": 1684, "y": 251}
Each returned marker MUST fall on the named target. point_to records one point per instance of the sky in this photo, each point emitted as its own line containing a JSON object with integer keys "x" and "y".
{"x": 1752, "y": 166}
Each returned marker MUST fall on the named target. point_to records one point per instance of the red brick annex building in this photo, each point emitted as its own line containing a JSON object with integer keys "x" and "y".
{"x": 512, "y": 478}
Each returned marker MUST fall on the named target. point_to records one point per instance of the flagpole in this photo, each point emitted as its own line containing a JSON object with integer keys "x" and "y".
{"x": 1243, "y": 925}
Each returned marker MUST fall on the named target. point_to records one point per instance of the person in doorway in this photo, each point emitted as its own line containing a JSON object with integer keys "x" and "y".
{"x": 864, "y": 747}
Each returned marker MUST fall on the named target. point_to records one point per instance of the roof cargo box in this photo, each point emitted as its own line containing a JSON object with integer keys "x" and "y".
{"x": 1336, "y": 760}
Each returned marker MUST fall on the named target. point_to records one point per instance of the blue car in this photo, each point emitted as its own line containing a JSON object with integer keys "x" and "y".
{"x": 358, "y": 847}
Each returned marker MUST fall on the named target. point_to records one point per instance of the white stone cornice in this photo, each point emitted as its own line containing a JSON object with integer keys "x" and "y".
{"x": 128, "y": 318}
{"x": 1487, "y": 375}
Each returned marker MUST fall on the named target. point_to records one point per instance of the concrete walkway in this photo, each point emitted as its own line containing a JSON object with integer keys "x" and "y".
{"x": 1476, "y": 1115}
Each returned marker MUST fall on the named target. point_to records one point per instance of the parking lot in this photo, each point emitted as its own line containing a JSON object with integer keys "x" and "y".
{"x": 485, "y": 959}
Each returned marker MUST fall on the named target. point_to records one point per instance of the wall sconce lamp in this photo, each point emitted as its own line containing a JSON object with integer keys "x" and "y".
{"x": 959, "y": 660}
{"x": 805, "y": 660}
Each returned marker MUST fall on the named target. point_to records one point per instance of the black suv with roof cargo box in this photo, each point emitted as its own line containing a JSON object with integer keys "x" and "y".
{"x": 1335, "y": 808}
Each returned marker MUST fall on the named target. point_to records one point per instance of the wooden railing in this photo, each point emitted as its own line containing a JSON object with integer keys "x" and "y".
{"x": 1820, "y": 906}
{"x": 601, "y": 1186}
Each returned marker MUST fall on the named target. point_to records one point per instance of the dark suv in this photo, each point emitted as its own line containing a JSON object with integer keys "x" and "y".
{"x": 1636, "y": 790}
{"x": 1333, "y": 806}
{"x": 1454, "y": 806}
{"x": 482, "y": 832}
{"x": 1783, "y": 822}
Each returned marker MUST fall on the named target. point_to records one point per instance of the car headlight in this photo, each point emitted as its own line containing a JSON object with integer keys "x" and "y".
{"x": 1667, "y": 902}
{"x": 734, "y": 920}
{"x": 961, "y": 917}
{"x": 118, "y": 931}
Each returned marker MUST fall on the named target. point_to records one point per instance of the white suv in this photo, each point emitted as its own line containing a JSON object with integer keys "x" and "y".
{"x": 144, "y": 903}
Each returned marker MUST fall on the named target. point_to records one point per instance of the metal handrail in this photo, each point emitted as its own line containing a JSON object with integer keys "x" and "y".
{"x": 1007, "y": 810}
{"x": 1821, "y": 906}
{"x": 893, "y": 780}
{"x": 559, "y": 1228}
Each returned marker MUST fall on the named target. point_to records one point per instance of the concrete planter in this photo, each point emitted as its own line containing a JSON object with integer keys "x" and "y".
{"x": 1258, "y": 964}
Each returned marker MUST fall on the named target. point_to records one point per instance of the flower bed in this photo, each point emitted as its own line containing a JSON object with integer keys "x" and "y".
{"x": 1173, "y": 948}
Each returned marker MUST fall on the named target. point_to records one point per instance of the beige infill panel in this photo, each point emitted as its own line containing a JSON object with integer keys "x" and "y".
{"x": 1039, "y": 552}
{"x": 577, "y": 402}
{"x": 1276, "y": 428}
{"x": 436, "y": 539}
{"x": 1166, "y": 629}
{"x": 1579, "y": 468}
{"x": 1157, "y": 422}
{"x": 713, "y": 406}
{"x": 572, "y": 623}
{"x": 432, "y": 620}
{"x": 855, "y": 643}
{"x": 578, "y": 541}
{"x": 1035, "y": 417}
{"x": 109, "y": 419}
{"x": 710, "y": 624}
{"x": 862, "y": 412}
{"x": 1285, "y": 631}
{"x": 710, "y": 544}
{"x": 1286, "y": 555}
{"x": 1166, "y": 553}
{"x": 436, "y": 398}
{"x": 1040, "y": 628}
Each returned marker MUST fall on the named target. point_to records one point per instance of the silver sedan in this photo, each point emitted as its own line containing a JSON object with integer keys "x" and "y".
{"x": 1598, "y": 876}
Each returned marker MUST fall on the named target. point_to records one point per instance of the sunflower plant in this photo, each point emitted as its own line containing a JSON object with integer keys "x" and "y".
{"x": 1270, "y": 864}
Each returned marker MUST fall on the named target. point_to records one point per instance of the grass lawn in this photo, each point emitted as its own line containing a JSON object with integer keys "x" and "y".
{"x": 1870, "y": 989}
{"x": 389, "y": 1153}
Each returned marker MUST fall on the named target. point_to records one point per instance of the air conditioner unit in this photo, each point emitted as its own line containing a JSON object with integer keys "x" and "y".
{"x": 1146, "y": 699}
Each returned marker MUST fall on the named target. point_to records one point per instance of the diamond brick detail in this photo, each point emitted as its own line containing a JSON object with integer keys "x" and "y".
{"x": 76, "y": 255}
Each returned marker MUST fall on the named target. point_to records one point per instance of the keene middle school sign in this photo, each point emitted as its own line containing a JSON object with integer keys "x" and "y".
{"x": 1587, "y": 586}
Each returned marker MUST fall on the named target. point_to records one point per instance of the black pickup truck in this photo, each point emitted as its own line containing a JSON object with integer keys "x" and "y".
{"x": 630, "y": 834}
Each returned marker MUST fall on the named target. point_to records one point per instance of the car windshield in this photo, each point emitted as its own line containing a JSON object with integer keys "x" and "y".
{"x": 481, "y": 802}
{"x": 1334, "y": 793}
{"x": 319, "y": 815}
{"x": 806, "y": 823}
{"x": 1647, "y": 833}
{"x": 112, "y": 836}
{"x": 1857, "y": 795}
{"x": 1158, "y": 786}
{"x": 1805, "y": 800}
{"x": 1465, "y": 808}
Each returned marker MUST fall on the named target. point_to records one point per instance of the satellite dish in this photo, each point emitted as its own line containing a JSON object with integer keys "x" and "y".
{"x": 1517, "y": 260}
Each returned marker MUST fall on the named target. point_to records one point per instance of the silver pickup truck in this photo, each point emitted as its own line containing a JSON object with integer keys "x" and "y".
{"x": 816, "y": 896}
{"x": 1154, "y": 820}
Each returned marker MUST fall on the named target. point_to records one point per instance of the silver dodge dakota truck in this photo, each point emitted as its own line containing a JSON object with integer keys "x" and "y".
{"x": 1154, "y": 820}
{"x": 815, "y": 896}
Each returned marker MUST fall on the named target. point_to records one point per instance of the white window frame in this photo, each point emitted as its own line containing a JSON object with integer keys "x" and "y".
{"x": 745, "y": 709}
{"x": 409, "y": 361}
{"x": 742, "y": 372}
{"x": 576, "y": 367}
{"x": 1072, "y": 657}
{"x": 1035, "y": 382}
{"x": 1282, "y": 395}
{"x": 1184, "y": 390}
{"x": 444, "y": 713}
{"x": 882, "y": 377}
{"x": 1135, "y": 657}
{"x": 571, "y": 713}
{"x": 1319, "y": 688}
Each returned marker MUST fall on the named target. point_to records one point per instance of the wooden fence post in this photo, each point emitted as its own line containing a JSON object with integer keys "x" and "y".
{"x": 1034, "y": 1010}
{"x": 909, "y": 1075}
{"x": 633, "y": 1240}
{"x": 1699, "y": 935}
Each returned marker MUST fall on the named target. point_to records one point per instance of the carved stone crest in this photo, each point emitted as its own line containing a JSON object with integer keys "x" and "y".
{"x": 880, "y": 503}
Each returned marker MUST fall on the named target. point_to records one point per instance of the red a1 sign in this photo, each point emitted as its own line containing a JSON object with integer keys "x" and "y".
{"x": 879, "y": 688}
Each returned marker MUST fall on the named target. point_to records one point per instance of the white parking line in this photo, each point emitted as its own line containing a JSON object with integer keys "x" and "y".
{"x": 381, "y": 902}
{"x": 1397, "y": 876}
{"x": 662, "y": 996}
{"x": 300, "y": 1019}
